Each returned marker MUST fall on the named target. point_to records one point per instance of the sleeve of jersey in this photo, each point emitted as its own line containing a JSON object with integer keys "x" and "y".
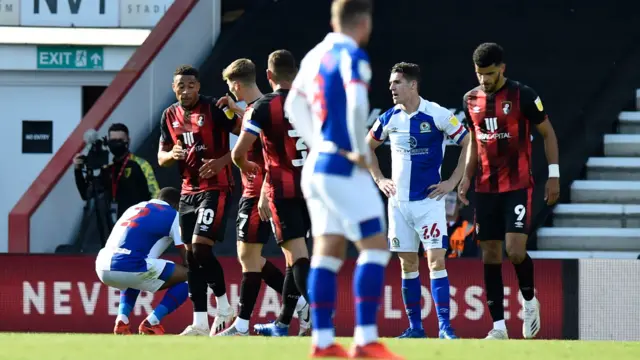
{"x": 378, "y": 130}
{"x": 251, "y": 122}
{"x": 531, "y": 105}
{"x": 175, "y": 232}
{"x": 465, "y": 109}
{"x": 355, "y": 68}
{"x": 450, "y": 125}
{"x": 356, "y": 73}
{"x": 165, "y": 135}
{"x": 297, "y": 109}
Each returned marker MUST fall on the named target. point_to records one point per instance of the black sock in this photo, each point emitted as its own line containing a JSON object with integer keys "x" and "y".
{"x": 495, "y": 290}
{"x": 249, "y": 290}
{"x": 273, "y": 277}
{"x": 290, "y": 296}
{"x": 211, "y": 268}
{"x": 197, "y": 284}
{"x": 524, "y": 270}
{"x": 300, "y": 274}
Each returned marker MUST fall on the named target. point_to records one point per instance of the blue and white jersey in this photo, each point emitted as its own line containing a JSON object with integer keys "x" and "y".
{"x": 144, "y": 231}
{"x": 329, "y": 105}
{"x": 417, "y": 145}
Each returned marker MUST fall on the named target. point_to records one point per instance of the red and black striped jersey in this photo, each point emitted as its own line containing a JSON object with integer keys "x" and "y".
{"x": 284, "y": 152}
{"x": 251, "y": 187}
{"x": 502, "y": 123}
{"x": 204, "y": 131}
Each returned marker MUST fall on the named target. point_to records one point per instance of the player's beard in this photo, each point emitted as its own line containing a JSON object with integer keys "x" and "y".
{"x": 493, "y": 87}
{"x": 188, "y": 104}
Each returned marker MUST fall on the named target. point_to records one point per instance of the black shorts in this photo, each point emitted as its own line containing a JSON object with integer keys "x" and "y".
{"x": 203, "y": 214}
{"x": 501, "y": 213}
{"x": 249, "y": 227}
{"x": 289, "y": 219}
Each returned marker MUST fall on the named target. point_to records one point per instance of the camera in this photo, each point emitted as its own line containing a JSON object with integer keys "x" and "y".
{"x": 98, "y": 154}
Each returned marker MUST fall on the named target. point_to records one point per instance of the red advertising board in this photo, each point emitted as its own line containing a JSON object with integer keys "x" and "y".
{"x": 51, "y": 293}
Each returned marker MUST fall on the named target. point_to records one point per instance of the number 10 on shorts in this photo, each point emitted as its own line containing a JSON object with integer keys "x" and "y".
{"x": 205, "y": 216}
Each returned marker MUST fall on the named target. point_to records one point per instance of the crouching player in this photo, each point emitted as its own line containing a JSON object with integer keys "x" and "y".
{"x": 129, "y": 261}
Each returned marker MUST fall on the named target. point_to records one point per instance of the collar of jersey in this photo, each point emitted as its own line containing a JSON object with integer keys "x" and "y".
{"x": 158, "y": 201}
{"x": 340, "y": 38}
{"x": 421, "y": 108}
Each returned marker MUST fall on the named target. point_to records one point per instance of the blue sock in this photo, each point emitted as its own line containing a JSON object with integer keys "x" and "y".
{"x": 368, "y": 283}
{"x": 128, "y": 299}
{"x": 411, "y": 295}
{"x": 440, "y": 293}
{"x": 173, "y": 298}
{"x": 322, "y": 288}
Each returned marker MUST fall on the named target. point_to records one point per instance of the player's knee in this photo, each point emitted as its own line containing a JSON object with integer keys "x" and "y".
{"x": 377, "y": 241}
{"x": 491, "y": 257}
{"x": 251, "y": 260}
{"x": 197, "y": 239}
{"x": 516, "y": 257}
{"x": 435, "y": 259}
{"x": 201, "y": 253}
{"x": 409, "y": 262}
{"x": 179, "y": 275}
{"x": 191, "y": 259}
{"x": 330, "y": 245}
{"x": 491, "y": 252}
{"x": 436, "y": 264}
{"x": 295, "y": 249}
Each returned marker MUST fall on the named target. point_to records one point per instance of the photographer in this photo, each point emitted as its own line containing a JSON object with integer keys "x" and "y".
{"x": 125, "y": 182}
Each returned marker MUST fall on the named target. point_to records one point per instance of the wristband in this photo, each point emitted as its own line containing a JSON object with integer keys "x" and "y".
{"x": 554, "y": 171}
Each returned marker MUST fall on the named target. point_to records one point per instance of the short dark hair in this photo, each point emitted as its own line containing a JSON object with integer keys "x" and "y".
{"x": 243, "y": 70}
{"x": 488, "y": 54}
{"x": 119, "y": 127}
{"x": 283, "y": 65}
{"x": 169, "y": 195}
{"x": 187, "y": 70}
{"x": 346, "y": 12}
{"x": 410, "y": 71}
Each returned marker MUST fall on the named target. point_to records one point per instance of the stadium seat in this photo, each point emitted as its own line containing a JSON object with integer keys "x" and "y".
{"x": 614, "y": 168}
{"x": 622, "y": 145}
{"x": 593, "y": 239}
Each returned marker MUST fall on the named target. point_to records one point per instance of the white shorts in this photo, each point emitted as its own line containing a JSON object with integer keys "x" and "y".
{"x": 347, "y": 206}
{"x": 413, "y": 221}
{"x": 145, "y": 281}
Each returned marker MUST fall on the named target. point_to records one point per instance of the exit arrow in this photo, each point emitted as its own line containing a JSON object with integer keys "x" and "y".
{"x": 95, "y": 58}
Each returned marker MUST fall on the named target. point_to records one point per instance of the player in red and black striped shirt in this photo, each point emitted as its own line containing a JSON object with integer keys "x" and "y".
{"x": 195, "y": 132}
{"x": 500, "y": 113}
{"x": 284, "y": 154}
{"x": 252, "y": 223}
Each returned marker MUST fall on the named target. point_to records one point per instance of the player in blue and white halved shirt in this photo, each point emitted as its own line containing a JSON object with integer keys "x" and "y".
{"x": 130, "y": 260}
{"x": 417, "y": 130}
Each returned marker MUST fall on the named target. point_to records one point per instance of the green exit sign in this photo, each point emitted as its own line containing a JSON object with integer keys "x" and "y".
{"x": 71, "y": 57}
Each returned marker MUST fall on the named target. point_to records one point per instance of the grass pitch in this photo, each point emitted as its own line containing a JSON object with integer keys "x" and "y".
{"x": 21, "y": 346}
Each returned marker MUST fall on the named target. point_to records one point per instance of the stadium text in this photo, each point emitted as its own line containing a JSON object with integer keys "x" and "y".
{"x": 58, "y": 298}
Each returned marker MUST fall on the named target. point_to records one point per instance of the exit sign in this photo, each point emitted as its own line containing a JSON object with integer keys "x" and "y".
{"x": 71, "y": 57}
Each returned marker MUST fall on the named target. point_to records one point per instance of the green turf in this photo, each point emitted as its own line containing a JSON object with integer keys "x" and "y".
{"x": 110, "y": 347}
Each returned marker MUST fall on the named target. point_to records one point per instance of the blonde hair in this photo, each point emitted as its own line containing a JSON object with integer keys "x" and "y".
{"x": 347, "y": 12}
{"x": 242, "y": 70}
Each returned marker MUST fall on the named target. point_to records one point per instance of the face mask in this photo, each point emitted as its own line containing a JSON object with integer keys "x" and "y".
{"x": 118, "y": 147}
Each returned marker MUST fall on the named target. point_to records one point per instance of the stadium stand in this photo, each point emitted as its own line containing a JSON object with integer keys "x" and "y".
{"x": 604, "y": 214}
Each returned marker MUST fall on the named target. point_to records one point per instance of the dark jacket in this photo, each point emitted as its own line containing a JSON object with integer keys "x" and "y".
{"x": 135, "y": 183}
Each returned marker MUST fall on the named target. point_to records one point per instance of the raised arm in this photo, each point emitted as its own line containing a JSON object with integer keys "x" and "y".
{"x": 168, "y": 152}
